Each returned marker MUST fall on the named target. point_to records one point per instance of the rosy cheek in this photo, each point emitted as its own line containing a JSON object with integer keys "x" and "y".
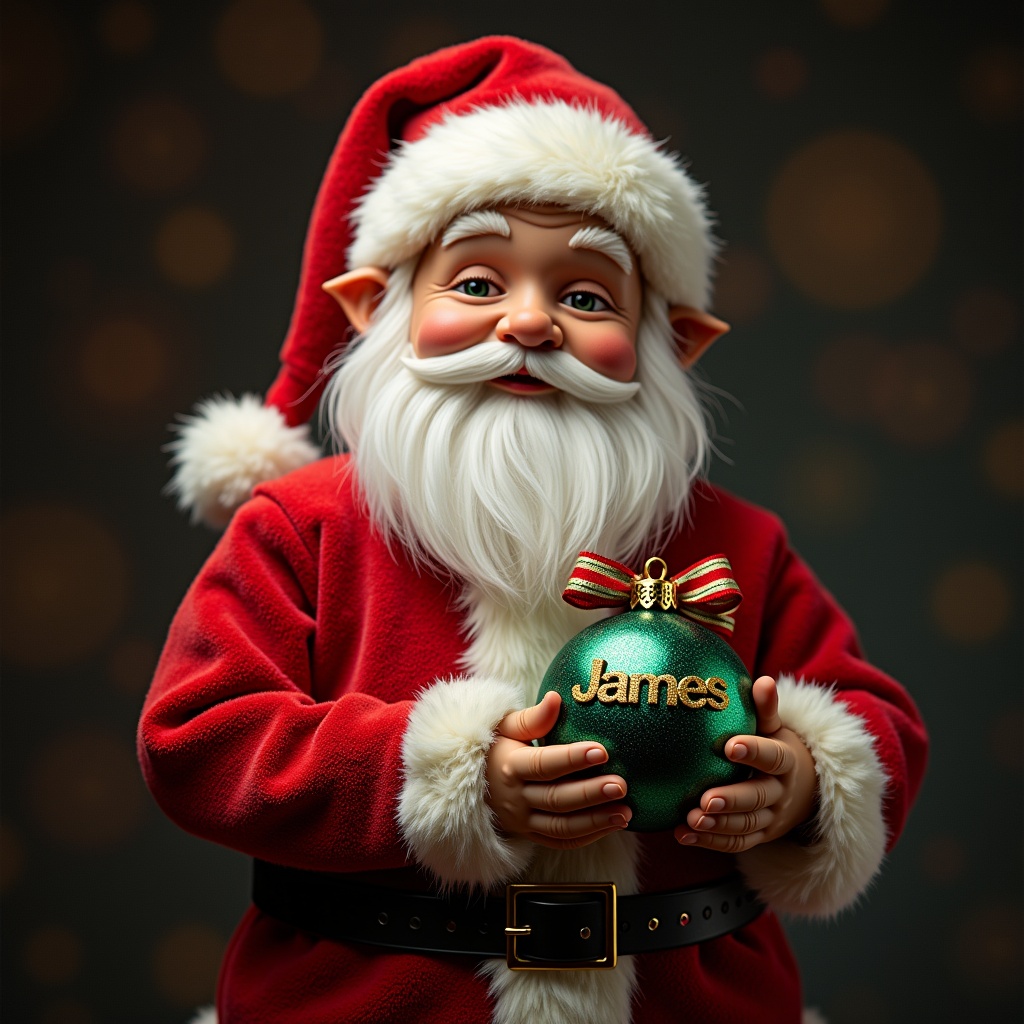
{"x": 610, "y": 351}
{"x": 442, "y": 330}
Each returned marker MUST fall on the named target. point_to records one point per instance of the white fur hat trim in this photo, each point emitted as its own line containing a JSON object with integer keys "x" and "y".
{"x": 547, "y": 152}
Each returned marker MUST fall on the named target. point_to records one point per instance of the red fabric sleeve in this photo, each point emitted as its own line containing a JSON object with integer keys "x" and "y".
{"x": 805, "y": 634}
{"x": 232, "y": 741}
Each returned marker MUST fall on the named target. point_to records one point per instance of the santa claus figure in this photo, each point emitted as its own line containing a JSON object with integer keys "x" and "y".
{"x": 506, "y": 280}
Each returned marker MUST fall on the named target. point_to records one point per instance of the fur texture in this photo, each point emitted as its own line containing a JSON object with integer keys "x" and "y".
{"x": 445, "y": 818}
{"x": 561, "y": 997}
{"x": 226, "y": 449}
{"x": 551, "y": 152}
{"x": 522, "y": 645}
{"x": 443, "y": 813}
{"x": 826, "y": 876}
{"x": 454, "y": 475}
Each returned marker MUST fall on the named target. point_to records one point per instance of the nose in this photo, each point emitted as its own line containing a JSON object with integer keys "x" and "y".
{"x": 530, "y": 327}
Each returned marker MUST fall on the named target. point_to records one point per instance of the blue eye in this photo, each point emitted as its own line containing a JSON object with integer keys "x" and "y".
{"x": 585, "y": 302}
{"x": 477, "y": 287}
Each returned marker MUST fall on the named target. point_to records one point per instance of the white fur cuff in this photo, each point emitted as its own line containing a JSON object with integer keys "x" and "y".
{"x": 226, "y": 449}
{"x": 822, "y": 878}
{"x": 443, "y": 811}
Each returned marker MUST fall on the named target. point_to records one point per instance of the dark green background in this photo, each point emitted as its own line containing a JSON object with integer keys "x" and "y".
{"x": 888, "y": 434}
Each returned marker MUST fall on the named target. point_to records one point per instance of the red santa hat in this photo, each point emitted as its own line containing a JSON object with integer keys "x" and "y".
{"x": 485, "y": 123}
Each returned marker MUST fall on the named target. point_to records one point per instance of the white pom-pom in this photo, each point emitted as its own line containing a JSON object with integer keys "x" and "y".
{"x": 227, "y": 448}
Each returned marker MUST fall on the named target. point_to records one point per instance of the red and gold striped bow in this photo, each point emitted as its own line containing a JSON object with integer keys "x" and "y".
{"x": 705, "y": 592}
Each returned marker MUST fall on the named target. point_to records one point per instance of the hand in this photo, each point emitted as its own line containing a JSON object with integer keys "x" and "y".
{"x": 520, "y": 790}
{"x": 780, "y": 796}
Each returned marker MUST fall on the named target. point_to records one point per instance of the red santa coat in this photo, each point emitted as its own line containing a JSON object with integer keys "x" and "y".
{"x": 286, "y": 720}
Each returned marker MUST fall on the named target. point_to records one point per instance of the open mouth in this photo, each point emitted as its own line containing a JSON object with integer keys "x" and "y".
{"x": 522, "y": 382}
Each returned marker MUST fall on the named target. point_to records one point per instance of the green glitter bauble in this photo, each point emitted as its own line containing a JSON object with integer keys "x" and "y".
{"x": 671, "y": 751}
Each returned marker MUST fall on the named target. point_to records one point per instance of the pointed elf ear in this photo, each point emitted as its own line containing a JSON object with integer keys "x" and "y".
{"x": 694, "y": 331}
{"x": 358, "y": 293}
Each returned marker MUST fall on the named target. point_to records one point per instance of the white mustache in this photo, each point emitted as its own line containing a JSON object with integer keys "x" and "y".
{"x": 490, "y": 359}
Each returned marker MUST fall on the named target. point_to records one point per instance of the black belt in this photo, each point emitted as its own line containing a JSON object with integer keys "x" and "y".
{"x": 534, "y": 926}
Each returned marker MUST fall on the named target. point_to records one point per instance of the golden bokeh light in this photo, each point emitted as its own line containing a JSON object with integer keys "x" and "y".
{"x": 780, "y": 73}
{"x": 854, "y": 219}
{"x": 1003, "y": 459}
{"x": 123, "y": 361}
{"x": 65, "y": 585}
{"x": 119, "y": 368}
{"x": 743, "y": 285}
{"x": 988, "y": 947}
{"x": 854, "y": 13}
{"x": 131, "y": 664}
{"x": 830, "y": 485}
{"x": 157, "y": 144}
{"x": 12, "y": 856}
{"x": 38, "y": 67}
{"x": 943, "y": 859}
{"x": 269, "y": 47}
{"x": 52, "y": 955}
{"x": 971, "y": 602}
{"x": 127, "y": 27}
{"x": 843, "y": 376}
{"x": 186, "y": 962}
{"x": 991, "y": 84}
{"x": 985, "y": 320}
{"x": 922, "y": 393}
{"x": 85, "y": 789}
{"x": 194, "y": 247}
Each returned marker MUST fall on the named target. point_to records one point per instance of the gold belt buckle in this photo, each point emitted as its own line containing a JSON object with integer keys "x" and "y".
{"x": 515, "y": 928}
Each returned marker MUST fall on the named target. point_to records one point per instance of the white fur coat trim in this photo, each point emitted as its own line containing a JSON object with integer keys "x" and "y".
{"x": 542, "y": 152}
{"x": 524, "y": 646}
{"x": 228, "y": 447}
{"x": 442, "y": 811}
{"x": 824, "y": 877}
{"x": 450, "y": 828}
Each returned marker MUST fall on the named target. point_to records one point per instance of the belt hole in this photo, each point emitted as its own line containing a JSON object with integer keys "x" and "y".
{"x": 707, "y": 913}
{"x": 725, "y": 906}
{"x": 382, "y": 917}
{"x": 450, "y": 926}
{"x": 414, "y": 923}
{"x": 684, "y": 919}
{"x": 623, "y": 926}
{"x": 584, "y": 932}
{"x": 652, "y": 925}
{"x": 482, "y": 929}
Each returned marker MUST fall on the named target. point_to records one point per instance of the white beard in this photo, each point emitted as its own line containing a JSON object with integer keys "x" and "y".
{"x": 505, "y": 490}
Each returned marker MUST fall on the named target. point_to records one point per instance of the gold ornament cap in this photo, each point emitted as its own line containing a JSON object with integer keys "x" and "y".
{"x": 649, "y": 591}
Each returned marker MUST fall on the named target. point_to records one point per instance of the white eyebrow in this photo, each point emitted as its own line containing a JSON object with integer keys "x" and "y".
{"x": 479, "y": 222}
{"x": 602, "y": 240}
